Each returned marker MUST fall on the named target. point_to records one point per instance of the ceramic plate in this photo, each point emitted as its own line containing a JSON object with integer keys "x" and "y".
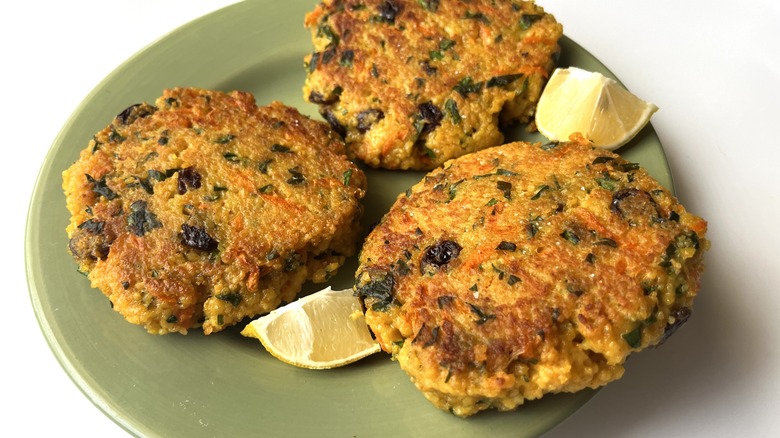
{"x": 225, "y": 384}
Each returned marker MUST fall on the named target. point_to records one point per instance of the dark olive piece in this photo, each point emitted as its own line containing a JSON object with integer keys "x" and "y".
{"x": 197, "y": 238}
{"x": 333, "y": 122}
{"x": 367, "y": 118}
{"x": 388, "y": 10}
{"x": 431, "y": 115}
{"x": 634, "y": 203}
{"x": 440, "y": 254}
{"x": 189, "y": 178}
{"x": 427, "y": 68}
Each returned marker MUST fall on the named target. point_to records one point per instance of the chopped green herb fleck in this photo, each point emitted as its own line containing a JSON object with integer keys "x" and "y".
{"x": 347, "y": 176}
{"x": 571, "y": 236}
{"x": 140, "y": 220}
{"x": 602, "y": 160}
{"x": 115, "y": 137}
{"x": 446, "y": 44}
{"x": 606, "y": 183}
{"x": 479, "y": 16}
{"x": 634, "y": 337}
{"x": 380, "y": 287}
{"x": 233, "y": 298}
{"x": 482, "y": 317}
{"x": 467, "y": 86}
{"x": 539, "y": 192}
{"x": 402, "y": 268}
{"x": 327, "y": 32}
{"x": 292, "y": 262}
{"x": 347, "y": 58}
{"x": 452, "y": 109}
{"x": 225, "y": 139}
{"x": 297, "y": 177}
{"x": 156, "y": 175}
{"x": 100, "y": 187}
{"x": 627, "y": 167}
{"x": 266, "y": 188}
{"x": 526, "y": 21}
{"x": 444, "y": 300}
{"x": 506, "y": 172}
{"x": 276, "y": 147}
{"x": 507, "y": 246}
{"x": 500, "y": 81}
{"x": 506, "y": 189}
{"x": 93, "y": 226}
{"x": 607, "y": 242}
{"x": 263, "y": 166}
{"x": 454, "y": 189}
{"x": 435, "y": 55}
{"x": 230, "y": 156}
{"x": 429, "y": 5}
{"x": 313, "y": 61}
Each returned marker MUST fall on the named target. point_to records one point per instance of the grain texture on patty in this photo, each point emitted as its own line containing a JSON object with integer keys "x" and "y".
{"x": 204, "y": 209}
{"x": 524, "y": 269}
{"x": 413, "y": 83}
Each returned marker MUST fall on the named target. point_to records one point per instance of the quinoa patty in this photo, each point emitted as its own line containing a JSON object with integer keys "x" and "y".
{"x": 493, "y": 282}
{"x": 204, "y": 209}
{"x": 413, "y": 83}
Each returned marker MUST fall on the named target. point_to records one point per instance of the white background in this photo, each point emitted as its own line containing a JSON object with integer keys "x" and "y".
{"x": 712, "y": 67}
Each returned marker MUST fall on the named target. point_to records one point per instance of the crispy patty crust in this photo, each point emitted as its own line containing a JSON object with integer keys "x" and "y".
{"x": 493, "y": 281}
{"x": 411, "y": 84}
{"x": 204, "y": 209}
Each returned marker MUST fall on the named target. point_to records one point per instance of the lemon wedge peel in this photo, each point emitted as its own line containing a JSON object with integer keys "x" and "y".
{"x": 323, "y": 330}
{"x": 598, "y": 107}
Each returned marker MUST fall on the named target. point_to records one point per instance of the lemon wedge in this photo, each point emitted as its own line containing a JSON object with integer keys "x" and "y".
{"x": 323, "y": 330}
{"x": 589, "y": 103}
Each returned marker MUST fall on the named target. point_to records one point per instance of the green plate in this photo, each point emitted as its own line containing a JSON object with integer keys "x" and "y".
{"x": 225, "y": 384}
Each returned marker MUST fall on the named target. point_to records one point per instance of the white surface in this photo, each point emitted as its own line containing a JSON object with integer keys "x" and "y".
{"x": 713, "y": 69}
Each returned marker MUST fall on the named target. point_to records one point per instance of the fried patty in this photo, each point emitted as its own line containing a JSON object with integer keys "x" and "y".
{"x": 493, "y": 281}
{"x": 411, "y": 84}
{"x": 204, "y": 209}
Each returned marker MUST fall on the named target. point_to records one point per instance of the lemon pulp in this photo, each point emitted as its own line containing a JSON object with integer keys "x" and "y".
{"x": 323, "y": 330}
{"x": 589, "y": 103}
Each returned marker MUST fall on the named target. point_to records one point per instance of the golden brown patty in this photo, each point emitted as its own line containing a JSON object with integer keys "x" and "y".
{"x": 204, "y": 209}
{"x": 413, "y": 83}
{"x": 492, "y": 281}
